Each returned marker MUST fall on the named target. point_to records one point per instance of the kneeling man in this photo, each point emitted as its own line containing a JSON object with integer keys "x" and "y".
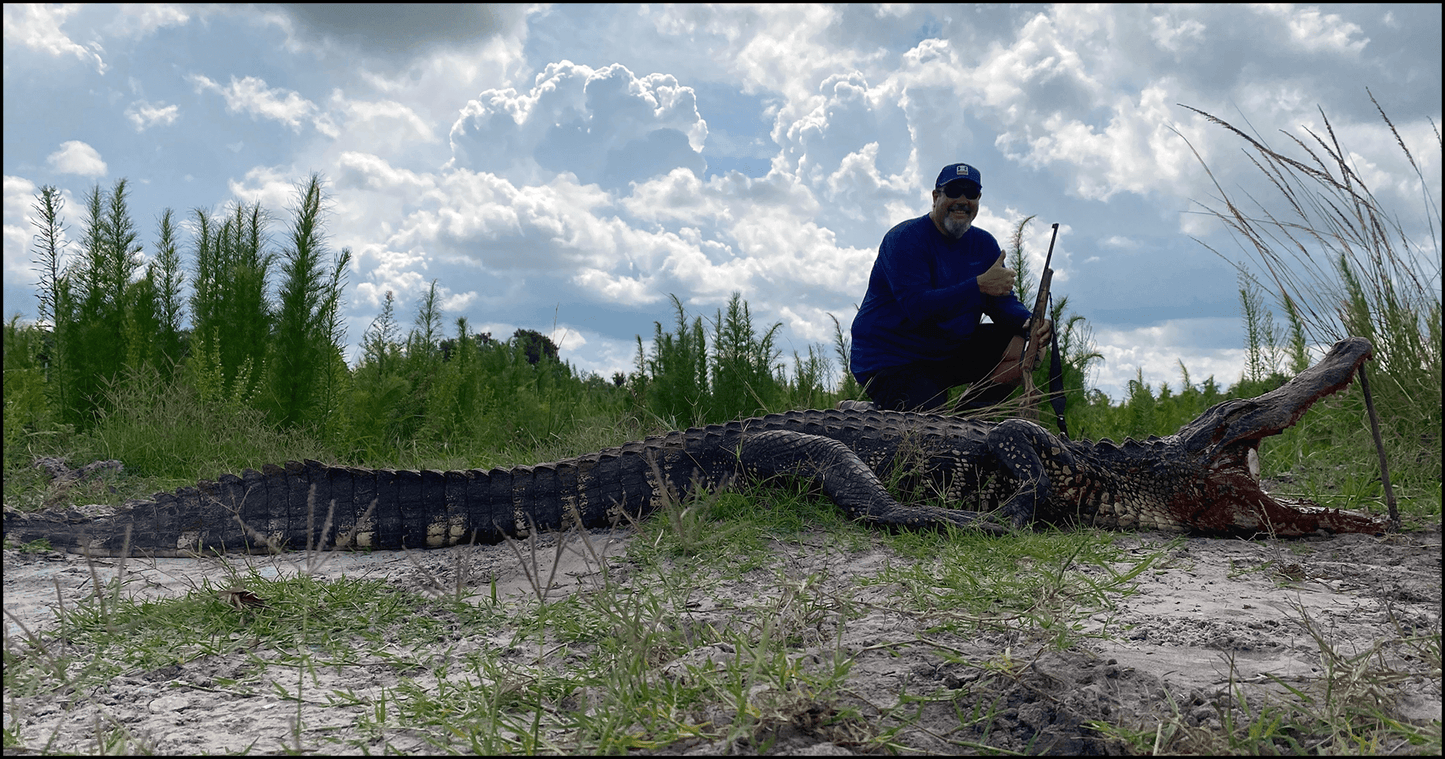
{"x": 919, "y": 331}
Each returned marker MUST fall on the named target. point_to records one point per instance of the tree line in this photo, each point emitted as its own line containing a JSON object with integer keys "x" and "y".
{"x": 250, "y": 323}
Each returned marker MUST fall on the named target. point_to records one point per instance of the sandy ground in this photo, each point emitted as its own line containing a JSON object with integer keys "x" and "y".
{"x": 1211, "y": 613}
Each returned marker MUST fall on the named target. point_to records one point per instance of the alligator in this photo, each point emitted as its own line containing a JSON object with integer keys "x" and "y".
{"x": 1202, "y": 480}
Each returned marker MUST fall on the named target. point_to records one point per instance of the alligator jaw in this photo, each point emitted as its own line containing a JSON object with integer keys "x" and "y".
{"x": 1252, "y": 419}
{"x": 1239, "y": 504}
{"x": 1225, "y": 439}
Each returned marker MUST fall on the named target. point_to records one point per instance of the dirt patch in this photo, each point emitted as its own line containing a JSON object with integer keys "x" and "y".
{"x": 1207, "y": 622}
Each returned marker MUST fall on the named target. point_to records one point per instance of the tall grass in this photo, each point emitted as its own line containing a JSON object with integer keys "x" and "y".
{"x": 683, "y": 382}
{"x": 1339, "y": 261}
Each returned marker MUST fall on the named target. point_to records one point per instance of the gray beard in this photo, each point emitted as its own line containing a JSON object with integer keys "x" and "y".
{"x": 955, "y": 227}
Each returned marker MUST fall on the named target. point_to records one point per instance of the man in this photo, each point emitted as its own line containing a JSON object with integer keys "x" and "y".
{"x": 918, "y": 332}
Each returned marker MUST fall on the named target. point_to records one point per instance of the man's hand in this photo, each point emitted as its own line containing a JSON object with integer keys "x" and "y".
{"x": 1042, "y": 332}
{"x": 1039, "y": 335}
{"x": 998, "y": 280}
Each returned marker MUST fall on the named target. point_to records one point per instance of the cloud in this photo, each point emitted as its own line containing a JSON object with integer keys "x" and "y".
{"x": 373, "y": 172}
{"x": 708, "y": 239}
{"x": 76, "y": 157}
{"x": 1176, "y": 35}
{"x": 382, "y": 117}
{"x": 38, "y": 27}
{"x": 141, "y": 20}
{"x": 145, "y": 115}
{"x": 251, "y": 95}
{"x": 605, "y": 126}
{"x": 398, "y": 34}
{"x": 1316, "y": 32}
{"x": 19, "y": 196}
{"x": 847, "y": 115}
{"x": 273, "y": 187}
{"x": 1138, "y": 151}
{"x": 784, "y": 48}
{"x": 1053, "y": 93}
{"x": 1157, "y": 351}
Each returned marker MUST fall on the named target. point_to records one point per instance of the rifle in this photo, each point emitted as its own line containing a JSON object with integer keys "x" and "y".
{"x": 1030, "y": 352}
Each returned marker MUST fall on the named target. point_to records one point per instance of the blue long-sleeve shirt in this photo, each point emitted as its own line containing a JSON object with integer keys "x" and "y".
{"x": 923, "y": 299}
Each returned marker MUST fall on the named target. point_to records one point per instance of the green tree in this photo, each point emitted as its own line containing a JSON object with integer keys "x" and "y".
{"x": 53, "y": 293}
{"x": 742, "y": 373}
{"x": 143, "y": 323}
{"x": 674, "y": 377}
{"x": 1020, "y": 263}
{"x": 230, "y": 312}
{"x": 843, "y": 348}
{"x": 301, "y": 351}
{"x": 535, "y": 345}
{"x": 335, "y": 376}
{"x": 1261, "y": 335}
{"x": 423, "y": 359}
{"x": 168, "y": 277}
{"x": 96, "y": 338}
{"x": 27, "y": 409}
{"x": 378, "y": 387}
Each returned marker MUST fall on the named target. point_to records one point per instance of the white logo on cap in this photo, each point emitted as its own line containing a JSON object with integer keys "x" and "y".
{"x": 962, "y": 168}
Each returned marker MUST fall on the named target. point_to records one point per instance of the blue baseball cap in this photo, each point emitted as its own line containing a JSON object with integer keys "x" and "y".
{"x": 956, "y": 171}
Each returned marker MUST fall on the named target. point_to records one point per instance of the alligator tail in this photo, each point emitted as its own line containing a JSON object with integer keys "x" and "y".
{"x": 308, "y": 504}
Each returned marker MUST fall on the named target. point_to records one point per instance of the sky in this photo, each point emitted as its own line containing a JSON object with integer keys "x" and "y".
{"x": 567, "y": 168}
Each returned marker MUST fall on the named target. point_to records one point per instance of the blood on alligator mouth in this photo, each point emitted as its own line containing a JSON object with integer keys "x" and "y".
{"x": 1239, "y": 466}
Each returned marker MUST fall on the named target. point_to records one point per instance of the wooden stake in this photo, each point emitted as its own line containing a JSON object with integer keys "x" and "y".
{"x": 1380, "y": 448}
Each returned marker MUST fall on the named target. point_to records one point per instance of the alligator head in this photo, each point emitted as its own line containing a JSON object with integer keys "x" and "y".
{"x": 1223, "y": 493}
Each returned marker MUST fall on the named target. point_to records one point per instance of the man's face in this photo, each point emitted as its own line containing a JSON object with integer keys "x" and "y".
{"x": 954, "y": 215}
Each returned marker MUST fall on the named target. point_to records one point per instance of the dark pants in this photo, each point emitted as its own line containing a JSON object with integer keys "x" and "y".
{"x": 923, "y": 386}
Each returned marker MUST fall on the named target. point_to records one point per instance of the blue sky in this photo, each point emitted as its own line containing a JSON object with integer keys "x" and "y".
{"x": 565, "y": 168}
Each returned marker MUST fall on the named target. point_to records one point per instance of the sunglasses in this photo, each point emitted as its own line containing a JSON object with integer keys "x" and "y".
{"x": 959, "y": 188}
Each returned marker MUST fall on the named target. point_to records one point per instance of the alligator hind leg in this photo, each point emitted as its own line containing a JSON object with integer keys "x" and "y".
{"x": 1016, "y": 443}
{"x": 844, "y": 478}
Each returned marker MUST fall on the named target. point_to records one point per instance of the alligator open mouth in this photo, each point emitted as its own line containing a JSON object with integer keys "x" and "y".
{"x": 1226, "y": 441}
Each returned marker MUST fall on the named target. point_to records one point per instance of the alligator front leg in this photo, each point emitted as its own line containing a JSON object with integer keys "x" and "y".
{"x": 1016, "y": 444}
{"x": 844, "y": 478}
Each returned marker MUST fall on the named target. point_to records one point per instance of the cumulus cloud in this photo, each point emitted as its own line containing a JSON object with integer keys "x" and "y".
{"x": 781, "y": 47}
{"x": 1174, "y": 34}
{"x": 19, "y": 196}
{"x": 1137, "y": 151}
{"x": 76, "y": 157}
{"x": 846, "y": 117}
{"x": 1315, "y": 31}
{"x": 39, "y": 28}
{"x": 273, "y": 187}
{"x": 605, "y": 126}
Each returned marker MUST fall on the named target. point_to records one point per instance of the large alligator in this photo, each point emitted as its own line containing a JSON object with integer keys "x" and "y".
{"x": 1202, "y": 480}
